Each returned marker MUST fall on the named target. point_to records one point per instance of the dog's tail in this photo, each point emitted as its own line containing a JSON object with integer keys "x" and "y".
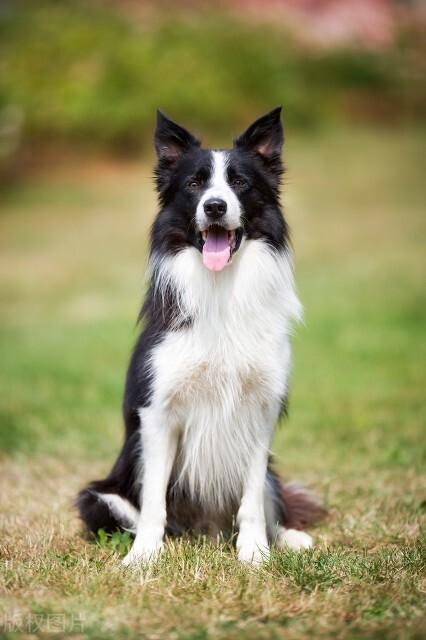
{"x": 296, "y": 506}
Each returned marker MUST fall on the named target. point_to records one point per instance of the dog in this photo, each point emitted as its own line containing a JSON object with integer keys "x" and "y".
{"x": 209, "y": 375}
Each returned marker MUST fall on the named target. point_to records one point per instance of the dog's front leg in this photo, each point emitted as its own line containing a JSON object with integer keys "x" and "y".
{"x": 252, "y": 542}
{"x": 159, "y": 443}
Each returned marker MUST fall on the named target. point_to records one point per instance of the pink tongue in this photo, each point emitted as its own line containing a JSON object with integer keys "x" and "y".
{"x": 216, "y": 249}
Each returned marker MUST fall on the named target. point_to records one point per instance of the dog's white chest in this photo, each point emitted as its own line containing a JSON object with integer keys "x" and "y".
{"x": 218, "y": 373}
{"x": 220, "y": 379}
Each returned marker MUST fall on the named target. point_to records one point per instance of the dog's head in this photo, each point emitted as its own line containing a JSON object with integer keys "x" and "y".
{"x": 214, "y": 199}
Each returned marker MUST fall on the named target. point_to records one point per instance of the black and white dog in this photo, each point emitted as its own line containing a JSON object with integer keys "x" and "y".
{"x": 209, "y": 375}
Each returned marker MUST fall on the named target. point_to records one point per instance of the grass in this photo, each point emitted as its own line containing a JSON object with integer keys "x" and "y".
{"x": 72, "y": 250}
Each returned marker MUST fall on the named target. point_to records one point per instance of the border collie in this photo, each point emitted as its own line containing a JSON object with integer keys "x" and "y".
{"x": 209, "y": 375}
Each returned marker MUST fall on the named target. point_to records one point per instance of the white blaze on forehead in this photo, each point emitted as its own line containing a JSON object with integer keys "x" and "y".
{"x": 218, "y": 179}
{"x": 218, "y": 187}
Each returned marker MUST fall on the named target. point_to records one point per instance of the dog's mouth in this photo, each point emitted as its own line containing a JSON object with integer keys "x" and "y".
{"x": 218, "y": 245}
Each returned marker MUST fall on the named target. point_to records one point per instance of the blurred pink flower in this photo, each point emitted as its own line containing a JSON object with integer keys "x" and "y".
{"x": 371, "y": 23}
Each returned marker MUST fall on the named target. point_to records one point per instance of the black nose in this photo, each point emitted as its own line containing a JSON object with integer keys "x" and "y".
{"x": 215, "y": 208}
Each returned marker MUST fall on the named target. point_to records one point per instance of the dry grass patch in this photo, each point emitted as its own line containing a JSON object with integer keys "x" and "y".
{"x": 366, "y": 573}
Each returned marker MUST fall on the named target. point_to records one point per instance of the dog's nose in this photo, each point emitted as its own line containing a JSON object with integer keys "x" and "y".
{"x": 215, "y": 208}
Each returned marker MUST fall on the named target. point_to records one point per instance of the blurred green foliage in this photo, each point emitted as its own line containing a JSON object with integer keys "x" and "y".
{"x": 78, "y": 71}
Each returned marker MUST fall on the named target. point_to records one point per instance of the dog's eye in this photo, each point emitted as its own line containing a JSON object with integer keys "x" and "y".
{"x": 193, "y": 184}
{"x": 238, "y": 182}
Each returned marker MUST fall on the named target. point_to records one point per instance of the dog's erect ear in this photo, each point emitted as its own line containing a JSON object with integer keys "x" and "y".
{"x": 172, "y": 140}
{"x": 264, "y": 137}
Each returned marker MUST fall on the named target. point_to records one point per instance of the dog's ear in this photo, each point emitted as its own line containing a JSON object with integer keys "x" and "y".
{"x": 265, "y": 138}
{"x": 172, "y": 140}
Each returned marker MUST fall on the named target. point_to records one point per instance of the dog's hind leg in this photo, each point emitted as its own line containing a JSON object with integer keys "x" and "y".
{"x": 288, "y": 509}
{"x": 112, "y": 503}
{"x": 107, "y": 511}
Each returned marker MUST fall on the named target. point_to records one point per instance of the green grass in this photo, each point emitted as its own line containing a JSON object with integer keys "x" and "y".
{"x": 72, "y": 250}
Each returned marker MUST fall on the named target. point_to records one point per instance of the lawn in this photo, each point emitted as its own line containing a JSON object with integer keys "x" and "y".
{"x": 72, "y": 253}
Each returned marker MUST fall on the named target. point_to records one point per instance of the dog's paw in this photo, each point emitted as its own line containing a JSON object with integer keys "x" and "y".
{"x": 252, "y": 551}
{"x": 142, "y": 553}
{"x": 294, "y": 540}
{"x": 254, "y": 556}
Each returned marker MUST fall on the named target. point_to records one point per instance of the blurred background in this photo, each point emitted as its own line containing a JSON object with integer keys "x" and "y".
{"x": 79, "y": 85}
{"x": 80, "y": 81}
{"x": 88, "y": 75}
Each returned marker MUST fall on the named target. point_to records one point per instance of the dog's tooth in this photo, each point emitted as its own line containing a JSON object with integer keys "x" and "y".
{"x": 204, "y": 235}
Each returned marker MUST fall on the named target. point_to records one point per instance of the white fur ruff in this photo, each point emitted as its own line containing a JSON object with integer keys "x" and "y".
{"x": 220, "y": 382}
